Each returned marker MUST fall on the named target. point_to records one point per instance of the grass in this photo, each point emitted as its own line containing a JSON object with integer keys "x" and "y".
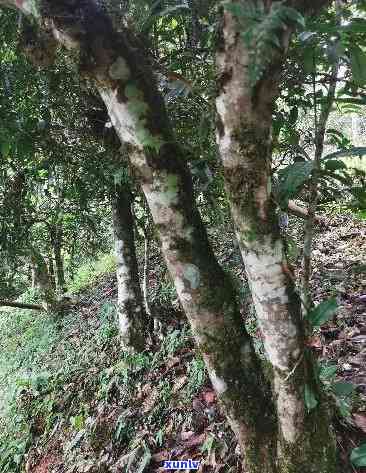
{"x": 57, "y": 373}
{"x": 89, "y": 272}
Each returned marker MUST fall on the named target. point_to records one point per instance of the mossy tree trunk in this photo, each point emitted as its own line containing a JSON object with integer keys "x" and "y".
{"x": 205, "y": 292}
{"x": 133, "y": 323}
{"x": 244, "y": 125}
{"x": 207, "y": 295}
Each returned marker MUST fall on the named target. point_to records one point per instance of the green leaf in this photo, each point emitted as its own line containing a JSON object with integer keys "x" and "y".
{"x": 358, "y": 65}
{"x": 291, "y": 180}
{"x": 309, "y": 397}
{"x": 344, "y": 408}
{"x": 357, "y": 151}
{"x": 305, "y": 36}
{"x": 172, "y": 9}
{"x": 235, "y": 9}
{"x": 328, "y": 371}
{"x": 208, "y": 444}
{"x": 5, "y": 148}
{"x": 322, "y": 312}
{"x": 343, "y": 389}
{"x": 334, "y": 165}
{"x": 357, "y": 25}
{"x": 358, "y": 456}
{"x": 77, "y": 422}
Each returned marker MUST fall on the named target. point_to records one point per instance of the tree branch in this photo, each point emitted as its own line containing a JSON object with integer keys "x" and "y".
{"x": 20, "y": 305}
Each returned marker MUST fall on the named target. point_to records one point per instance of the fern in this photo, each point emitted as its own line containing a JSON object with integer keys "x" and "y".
{"x": 261, "y": 31}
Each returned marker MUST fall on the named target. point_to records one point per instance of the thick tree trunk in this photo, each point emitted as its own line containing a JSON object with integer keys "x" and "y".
{"x": 208, "y": 299}
{"x": 205, "y": 291}
{"x": 244, "y": 139}
{"x": 133, "y": 323}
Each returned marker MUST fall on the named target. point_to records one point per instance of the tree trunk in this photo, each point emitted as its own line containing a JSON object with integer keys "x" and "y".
{"x": 207, "y": 297}
{"x": 320, "y": 130}
{"x": 132, "y": 319}
{"x": 206, "y": 293}
{"x": 56, "y": 239}
{"x": 244, "y": 139}
{"x": 51, "y": 271}
{"x": 60, "y": 271}
{"x": 43, "y": 281}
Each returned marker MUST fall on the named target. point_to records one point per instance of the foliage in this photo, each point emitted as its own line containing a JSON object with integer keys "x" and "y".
{"x": 261, "y": 31}
{"x": 88, "y": 273}
{"x": 358, "y": 456}
{"x": 322, "y": 312}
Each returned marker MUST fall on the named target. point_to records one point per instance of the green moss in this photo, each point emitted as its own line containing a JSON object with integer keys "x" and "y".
{"x": 315, "y": 451}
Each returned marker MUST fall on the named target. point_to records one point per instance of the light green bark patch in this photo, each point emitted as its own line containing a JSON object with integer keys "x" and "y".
{"x": 192, "y": 275}
{"x": 119, "y": 70}
{"x": 29, "y": 7}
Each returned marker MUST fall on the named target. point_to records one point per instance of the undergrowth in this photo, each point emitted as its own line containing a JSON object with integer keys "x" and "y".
{"x": 89, "y": 272}
{"x": 68, "y": 379}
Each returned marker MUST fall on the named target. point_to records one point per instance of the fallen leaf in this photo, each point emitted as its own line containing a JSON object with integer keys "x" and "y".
{"x": 195, "y": 440}
{"x": 198, "y": 405}
{"x": 160, "y": 456}
{"x": 172, "y": 362}
{"x": 150, "y": 401}
{"x": 179, "y": 383}
{"x": 314, "y": 342}
{"x": 209, "y": 397}
{"x": 186, "y": 435}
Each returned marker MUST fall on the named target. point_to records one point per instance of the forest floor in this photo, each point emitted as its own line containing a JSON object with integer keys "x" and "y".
{"x": 78, "y": 405}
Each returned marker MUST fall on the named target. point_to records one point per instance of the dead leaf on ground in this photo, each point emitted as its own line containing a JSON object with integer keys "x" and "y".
{"x": 185, "y": 435}
{"x": 209, "y": 396}
{"x": 179, "y": 383}
{"x": 195, "y": 440}
{"x": 173, "y": 362}
{"x": 150, "y": 401}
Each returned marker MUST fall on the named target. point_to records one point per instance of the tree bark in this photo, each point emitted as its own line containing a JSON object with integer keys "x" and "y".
{"x": 206, "y": 293}
{"x": 51, "y": 271}
{"x": 43, "y": 281}
{"x": 244, "y": 140}
{"x": 132, "y": 319}
{"x": 56, "y": 238}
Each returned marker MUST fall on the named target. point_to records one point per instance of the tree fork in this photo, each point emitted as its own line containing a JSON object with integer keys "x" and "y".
{"x": 206, "y": 293}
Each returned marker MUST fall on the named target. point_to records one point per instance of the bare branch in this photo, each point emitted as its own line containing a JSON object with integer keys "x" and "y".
{"x": 19, "y": 305}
